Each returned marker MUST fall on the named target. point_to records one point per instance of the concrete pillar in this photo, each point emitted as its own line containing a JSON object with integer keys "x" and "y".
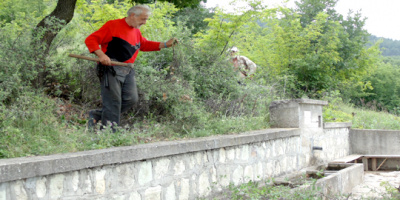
{"x": 305, "y": 114}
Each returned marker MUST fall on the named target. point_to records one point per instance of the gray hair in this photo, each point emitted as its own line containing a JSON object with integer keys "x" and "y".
{"x": 139, "y": 9}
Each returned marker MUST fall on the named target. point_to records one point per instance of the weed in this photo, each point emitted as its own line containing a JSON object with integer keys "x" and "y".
{"x": 268, "y": 190}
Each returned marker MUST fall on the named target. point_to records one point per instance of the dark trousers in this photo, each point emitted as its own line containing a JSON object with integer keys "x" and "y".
{"x": 118, "y": 95}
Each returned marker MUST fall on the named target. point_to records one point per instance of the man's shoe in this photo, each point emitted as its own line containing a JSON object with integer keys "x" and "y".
{"x": 93, "y": 119}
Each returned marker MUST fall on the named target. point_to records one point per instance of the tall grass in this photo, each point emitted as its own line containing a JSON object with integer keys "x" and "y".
{"x": 361, "y": 118}
{"x": 37, "y": 124}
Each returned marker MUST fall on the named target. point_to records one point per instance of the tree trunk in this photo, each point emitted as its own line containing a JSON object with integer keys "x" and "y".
{"x": 63, "y": 13}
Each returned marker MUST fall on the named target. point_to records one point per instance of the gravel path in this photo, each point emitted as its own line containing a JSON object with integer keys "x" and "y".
{"x": 374, "y": 183}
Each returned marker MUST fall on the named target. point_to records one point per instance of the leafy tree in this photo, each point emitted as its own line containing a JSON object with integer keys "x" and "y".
{"x": 385, "y": 91}
{"x": 11, "y": 11}
{"x": 222, "y": 28}
{"x": 358, "y": 60}
{"x": 177, "y": 3}
{"x": 309, "y": 9}
{"x": 346, "y": 40}
{"x": 193, "y": 18}
{"x": 311, "y": 52}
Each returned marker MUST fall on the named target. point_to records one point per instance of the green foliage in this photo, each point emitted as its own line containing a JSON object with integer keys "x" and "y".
{"x": 333, "y": 115}
{"x": 189, "y": 90}
{"x": 28, "y": 127}
{"x": 388, "y": 47}
{"x": 332, "y": 112}
{"x": 386, "y": 88}
{"x": 221, "y": 28}
{"x": 37, "y": 125}
{"x": 392, "y": 191}
{"x": 306, "y": 55}
{"x": 313, "y": 47}
{"x": 177, "y": 3}
{"x": 309, "y": 9}
{"x": 268, "y": 190}
{"x": 361, "y": 118}
{"x": 193, "y": 18}
{"x": 91, "y": 15}
{"x": 382, "y": 90}
{"x": 393, "y": 60}
{"x": 21, "y": 12}
{"x": 17, "y": 60}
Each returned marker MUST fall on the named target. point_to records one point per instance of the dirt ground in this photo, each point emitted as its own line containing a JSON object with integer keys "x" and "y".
{"x": 374, "y": 184}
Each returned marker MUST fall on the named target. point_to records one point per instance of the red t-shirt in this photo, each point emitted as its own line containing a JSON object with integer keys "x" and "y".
{"x": 120, "y": 41}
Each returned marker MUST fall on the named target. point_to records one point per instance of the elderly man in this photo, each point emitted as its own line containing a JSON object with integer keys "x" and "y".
{"x": 119, "y": 40}
{"x": 243, "y": 65}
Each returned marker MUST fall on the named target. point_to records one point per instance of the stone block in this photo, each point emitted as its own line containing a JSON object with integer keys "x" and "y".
{"x": 3, "y": 192}
{"x": 204, "y": 184}
{"x": 170, "y": 192}
{"x": 135, "y": 196}
{"x": 245, "y": 153}
{"x": 259, "y": 172}
{"x": 248, "y": 174}
{"x": 222, "y": 155}
{"x": 184, "y": 189}
{"x": 145, "y": 173}
{"x": 118, "y": 197}
{"x": 100, "y": 186}
{"x": 224, "y": 175}
{"x": 19, "y": 190}
{"x": 161, "y": 168}
{"x": 75, "y": 181}
{"x": 179, "y": 167}
{"x": 153, "y": 193}
{"x": 230, "y": 154}
{"x": 56, "y": 186}
{"x": 41, "y": 189}
{"x": 87, "y": 182}
{"x": 237, "y": 176}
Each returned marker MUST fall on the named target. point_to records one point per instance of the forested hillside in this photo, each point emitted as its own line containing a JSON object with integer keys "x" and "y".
{"x": 388, "y": 47}
{"x": 190, "y": 90}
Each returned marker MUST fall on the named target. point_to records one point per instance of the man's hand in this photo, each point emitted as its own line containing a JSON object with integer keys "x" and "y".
{"x": 171, "y": 42}
{"x": 103, "y": 58}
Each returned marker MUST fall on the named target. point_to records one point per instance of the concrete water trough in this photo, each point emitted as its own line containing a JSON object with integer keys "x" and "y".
{"x": 332, "y": 179}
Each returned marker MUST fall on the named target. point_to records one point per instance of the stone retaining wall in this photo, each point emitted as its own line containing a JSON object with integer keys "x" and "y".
{"x": 167, "y": 170}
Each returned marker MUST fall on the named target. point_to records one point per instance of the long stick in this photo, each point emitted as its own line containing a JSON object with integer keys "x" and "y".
{"x": 97, "y": 60}
{"x": 381, "y": 164}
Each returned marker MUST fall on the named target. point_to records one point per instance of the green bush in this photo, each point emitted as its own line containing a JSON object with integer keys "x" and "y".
{"x": 29, "y": 127}
{"x": 333, "y": 112}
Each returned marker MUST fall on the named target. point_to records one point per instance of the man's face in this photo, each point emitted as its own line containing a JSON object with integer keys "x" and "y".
{"x": 138, "y": 21}
{"x": 233, "y": 53}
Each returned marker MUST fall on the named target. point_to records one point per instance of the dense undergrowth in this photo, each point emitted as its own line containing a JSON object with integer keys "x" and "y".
{"x": 190, "y": 90}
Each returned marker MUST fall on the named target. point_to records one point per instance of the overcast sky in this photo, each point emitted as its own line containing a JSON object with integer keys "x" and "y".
{"x": 382, "y": 15}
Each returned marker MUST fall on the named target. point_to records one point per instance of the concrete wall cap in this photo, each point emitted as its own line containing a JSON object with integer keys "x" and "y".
{"x": 27, "y": 167}
{"x": 299, "y": 101}
{"x": 337, "y": 125}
